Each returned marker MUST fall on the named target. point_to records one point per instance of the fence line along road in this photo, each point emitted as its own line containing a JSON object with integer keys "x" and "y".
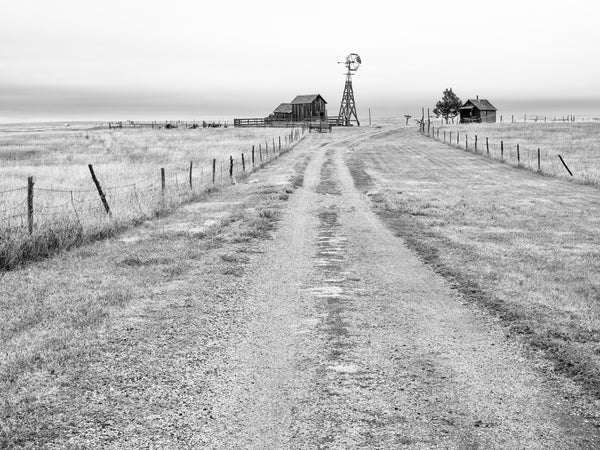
{"x": 535, "y": 159}
{"x": 31, "y": 209}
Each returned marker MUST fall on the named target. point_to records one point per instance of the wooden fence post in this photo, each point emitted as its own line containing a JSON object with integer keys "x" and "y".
{"x": 444, "y": 135}
{"x": 273, "y": 145}
{"x": 253, "y": 156}
{"x": 428, "y": 121}
{"x": 243, "y": 163}
{"x": 457, "y": 138}
{"x": 163, "y": 183}
{"x": 501, "y": 149}
{"x": 487, "y": 146}
{"x": 475, "y": 143}
{"x": 191, "y": 166}
{"x": 214, "y": 173}
{"x": 260, "y": 152}
{"x": 466, "y": 141}
{"x": 100, "y": 192}
{"x": 539, "y": 161}
{"x": 565, "y": 164}
{"x": 231, "y": 167}
{"x": 30, "y": 204}
{"x": 518, "y": 155}
{"x": 279, "y": 143}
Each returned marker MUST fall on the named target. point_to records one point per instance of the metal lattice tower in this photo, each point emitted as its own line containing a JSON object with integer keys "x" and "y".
{"x": 348, "y": 107}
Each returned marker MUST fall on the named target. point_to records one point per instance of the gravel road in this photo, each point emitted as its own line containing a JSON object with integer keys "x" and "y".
{"x": 351, "y": 342}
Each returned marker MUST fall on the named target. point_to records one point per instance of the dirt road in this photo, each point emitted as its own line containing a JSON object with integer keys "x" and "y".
{"x": 353, "y": 343}
{"x": 334, "y": 336}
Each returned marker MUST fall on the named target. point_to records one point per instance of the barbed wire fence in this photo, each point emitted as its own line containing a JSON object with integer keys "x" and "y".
{"x": 533, "y": 158}
{"x": 36, "y": 220}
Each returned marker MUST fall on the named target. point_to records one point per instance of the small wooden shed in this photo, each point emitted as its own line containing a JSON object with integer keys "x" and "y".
{"x": 283, "y": 112}
{"x": 475, "y": 110}
{"x": 309, "y": 107}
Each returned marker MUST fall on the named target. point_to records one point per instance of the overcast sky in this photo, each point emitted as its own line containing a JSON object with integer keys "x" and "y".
{"x": 120, "y": 59}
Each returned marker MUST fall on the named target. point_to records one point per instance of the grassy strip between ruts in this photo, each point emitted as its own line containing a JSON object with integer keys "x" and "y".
{"x": 530, "y": 266}
{"x": 53, "y": 328}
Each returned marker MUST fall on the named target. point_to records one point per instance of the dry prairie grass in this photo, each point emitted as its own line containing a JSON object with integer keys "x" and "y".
{"x": 59, "y": 159}
{"x": 519, "y": 244}
{"x": 578, "y": 144}
{"x": 67, "y": 209}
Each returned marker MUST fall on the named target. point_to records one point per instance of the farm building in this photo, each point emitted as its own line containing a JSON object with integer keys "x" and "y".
{"x": 475, "y": 110}
{"x": 283, "y": 112}
{"x": 308, "y": 107}
{"x": 303, "y": 108}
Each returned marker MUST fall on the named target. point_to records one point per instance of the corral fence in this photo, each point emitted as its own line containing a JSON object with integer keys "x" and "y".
{"x": 534, "y": 159}
{"x": 167, "y": 124}
{"x": 260, "y": 122}
{"x": 62, "y": 217}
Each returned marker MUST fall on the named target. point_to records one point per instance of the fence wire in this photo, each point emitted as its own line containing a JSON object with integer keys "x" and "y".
{"x": 53, "y": 208}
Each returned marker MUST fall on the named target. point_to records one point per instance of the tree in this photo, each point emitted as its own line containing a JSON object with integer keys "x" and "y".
{"x": 448, "y": 106}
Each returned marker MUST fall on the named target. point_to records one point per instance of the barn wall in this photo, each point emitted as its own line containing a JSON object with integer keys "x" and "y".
{"x": 282, "y": 116}
{"x": 308, "y": 111}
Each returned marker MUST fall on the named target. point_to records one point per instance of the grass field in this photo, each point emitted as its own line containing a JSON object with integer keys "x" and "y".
{"x": 577, "y": 143}
{"x": 522, "y": 245}
{"x": 59, "y": 158}
{"x": 67, "y": 208}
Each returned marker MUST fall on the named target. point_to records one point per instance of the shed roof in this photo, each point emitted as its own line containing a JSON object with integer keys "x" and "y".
{"x": 481, "y": 105}
{"x": 284, "y": 108}
{"x": 306, "y": 99}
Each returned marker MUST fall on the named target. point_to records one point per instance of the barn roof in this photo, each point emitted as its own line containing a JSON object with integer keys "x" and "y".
{"x": 306, "y": 99}
{"x": 481, "y": 105}
{"x": 284, "y": 108}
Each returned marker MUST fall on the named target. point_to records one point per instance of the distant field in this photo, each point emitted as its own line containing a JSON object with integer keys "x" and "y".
{"x": 59, "y": 158}
{"x": 577, "y": 143}
{"x": 127, "y": 163}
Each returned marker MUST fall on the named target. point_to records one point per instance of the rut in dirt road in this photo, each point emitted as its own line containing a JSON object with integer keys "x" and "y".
{"x": 351, "y": 342}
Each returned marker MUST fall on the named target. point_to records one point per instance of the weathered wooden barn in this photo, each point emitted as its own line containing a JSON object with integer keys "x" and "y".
{"x": 283, "y": 112}
{"x": 309, "y": 107}
{"x": 303, "y": 108}
{"x": 475, "y": 110}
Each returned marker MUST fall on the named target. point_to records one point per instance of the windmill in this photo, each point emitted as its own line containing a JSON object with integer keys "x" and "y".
{"x": 348, "y": 107}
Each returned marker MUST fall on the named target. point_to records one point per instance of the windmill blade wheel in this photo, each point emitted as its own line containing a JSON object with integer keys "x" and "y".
{"x": 353, "y": 62}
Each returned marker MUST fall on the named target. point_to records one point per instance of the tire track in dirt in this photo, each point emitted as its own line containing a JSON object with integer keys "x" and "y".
{"x": 354, "y": 343}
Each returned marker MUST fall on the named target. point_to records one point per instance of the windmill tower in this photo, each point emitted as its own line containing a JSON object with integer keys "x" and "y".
{"x": 348, "y": 107}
